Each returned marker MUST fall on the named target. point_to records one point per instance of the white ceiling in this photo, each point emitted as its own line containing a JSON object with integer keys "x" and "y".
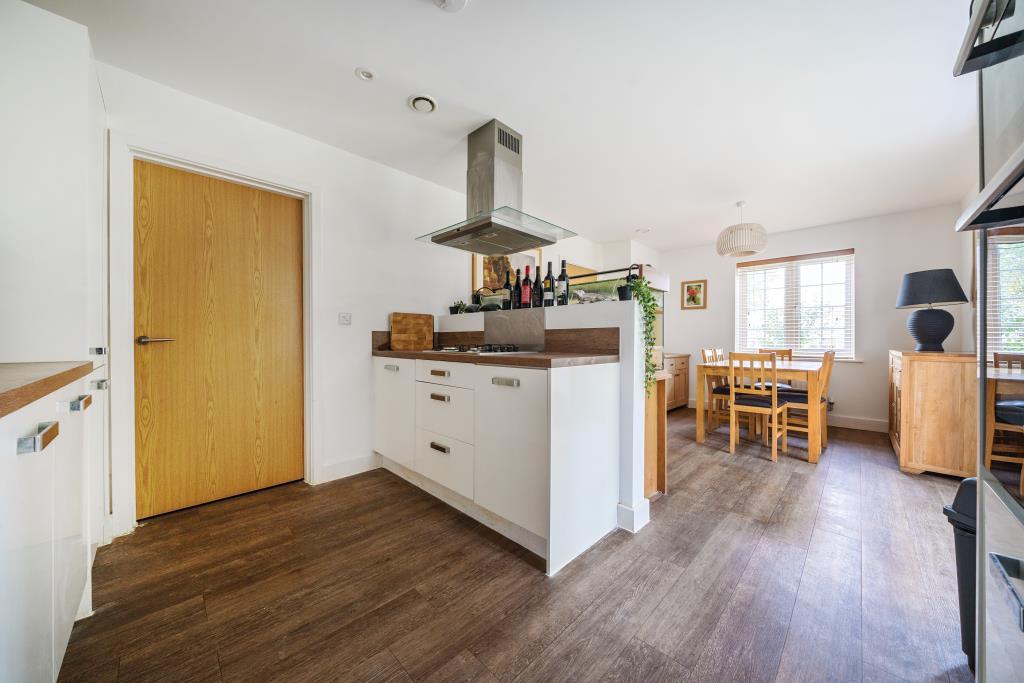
{"x": 657, "y": 114}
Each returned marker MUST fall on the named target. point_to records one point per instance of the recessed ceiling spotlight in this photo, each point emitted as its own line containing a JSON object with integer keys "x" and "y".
{"x": 364, "y": 74}
{"x": 452, "y": 5}
{"x": 424, "y": 104}
{"x": 642, "y": 231}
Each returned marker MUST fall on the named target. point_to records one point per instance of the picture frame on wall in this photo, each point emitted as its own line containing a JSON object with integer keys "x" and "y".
{"x": 489, "y": 271}
{"x": 694, "y": 295}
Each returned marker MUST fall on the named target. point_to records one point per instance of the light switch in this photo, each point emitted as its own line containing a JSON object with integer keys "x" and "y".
{"x": 344, "y": 318}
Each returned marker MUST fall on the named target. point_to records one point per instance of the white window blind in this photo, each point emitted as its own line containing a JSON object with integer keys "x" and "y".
{"x": 1006, "y": 293}
{"x": 805, "y": 303}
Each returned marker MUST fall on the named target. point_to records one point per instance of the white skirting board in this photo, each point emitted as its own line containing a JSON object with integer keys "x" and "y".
{"x": 346, "y": 468}
{"x": 524, "y": 537}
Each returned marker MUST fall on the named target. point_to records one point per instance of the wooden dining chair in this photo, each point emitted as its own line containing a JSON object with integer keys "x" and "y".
{"x": 754, "y": 390}
{"x": 799, "y": 402}
{"x": 781, "y": 354}
{"x": 717, "y": 389}
{"x": 1005, "y": 413}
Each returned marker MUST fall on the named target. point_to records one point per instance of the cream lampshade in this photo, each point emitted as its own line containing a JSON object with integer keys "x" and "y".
{"x": 742, "y": 239}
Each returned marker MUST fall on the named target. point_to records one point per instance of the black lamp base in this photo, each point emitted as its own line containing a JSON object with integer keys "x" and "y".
{"x": 929, "y": 327}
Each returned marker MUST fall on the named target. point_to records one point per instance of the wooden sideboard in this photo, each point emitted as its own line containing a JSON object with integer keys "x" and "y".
{"x": 933, "y": 412}
{"x": 677, "y": 386}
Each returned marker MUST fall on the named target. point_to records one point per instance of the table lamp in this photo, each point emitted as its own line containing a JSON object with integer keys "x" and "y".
{"x": 926, "y": 288}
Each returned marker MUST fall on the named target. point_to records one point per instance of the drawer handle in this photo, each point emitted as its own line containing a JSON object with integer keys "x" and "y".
{"x": 505, "y": 381}
{"x": 81, "y": 403}
{"x": 45, "y": 433}
{"x": 440, "y": 373}
{"x": 391, "y": 368}
{"x": 100, "y": 383}
{"x": 441, "y": 397}
{"x": 438, "y": 447}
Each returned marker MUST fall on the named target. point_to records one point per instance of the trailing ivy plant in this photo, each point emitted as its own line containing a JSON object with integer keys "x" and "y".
{"x": 648, "y": 310}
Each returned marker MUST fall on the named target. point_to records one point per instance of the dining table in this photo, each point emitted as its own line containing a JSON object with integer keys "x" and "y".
{"x": 800, "y": 370}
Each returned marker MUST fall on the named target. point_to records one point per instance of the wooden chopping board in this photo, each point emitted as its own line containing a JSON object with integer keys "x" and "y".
{"x": 412, "y": 332}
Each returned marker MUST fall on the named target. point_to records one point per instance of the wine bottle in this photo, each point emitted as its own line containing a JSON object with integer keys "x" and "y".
{"x": 562, "y": 287}
{"x": 506, "y": 303}
{"x": 538, "y": 289}
{"x": 517, "y": 290}
{"x": 549, "y": 287}
{"x": 526, "y": 299}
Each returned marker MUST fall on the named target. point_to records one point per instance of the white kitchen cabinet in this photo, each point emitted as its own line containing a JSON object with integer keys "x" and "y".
{"x": 44, "y": 559}
{"x": 445, "y": 460}
{"x": 445, "y": 410}
{"x": 444, "y": 372}
{"x": 71, "y": 556}
{"x": 26, "y": 547}
{"x": 394, "y": 415}
{"x": 512, "y": 447}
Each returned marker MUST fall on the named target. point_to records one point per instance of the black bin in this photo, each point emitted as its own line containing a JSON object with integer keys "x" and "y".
{"x": 962, "y": 514}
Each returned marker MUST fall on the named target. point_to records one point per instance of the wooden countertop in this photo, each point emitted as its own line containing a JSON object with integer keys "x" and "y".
{"x": 518, "y": 360}
{"x": 23, "y": 383}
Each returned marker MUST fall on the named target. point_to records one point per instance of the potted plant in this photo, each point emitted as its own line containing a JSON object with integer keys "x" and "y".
{"x": 641, "y": 291}
{"x": 457, "y": 307}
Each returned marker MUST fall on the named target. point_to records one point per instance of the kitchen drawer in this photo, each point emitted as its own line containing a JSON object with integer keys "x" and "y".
{"x": 445, "y": 410}
{"x": 447, "y": 461}
{"x": 442, "y": 372}
{"x": 670, "y": 365}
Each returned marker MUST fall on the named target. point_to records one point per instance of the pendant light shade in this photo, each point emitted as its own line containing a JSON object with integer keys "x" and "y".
{"x": 742, "y": 239}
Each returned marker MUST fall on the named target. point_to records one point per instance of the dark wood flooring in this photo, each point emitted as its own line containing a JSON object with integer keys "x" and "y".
{"x": 749, "y": 571}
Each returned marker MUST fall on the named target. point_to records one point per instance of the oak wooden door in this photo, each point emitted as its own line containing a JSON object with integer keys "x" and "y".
{"x": 218, "y": 270}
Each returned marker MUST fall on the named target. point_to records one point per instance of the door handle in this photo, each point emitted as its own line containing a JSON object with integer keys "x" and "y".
{"x": 45, "y": 433}
{"x": 505, "y": 381}
{"x": 143, "y": 340}
{"x": 391, "y": 368}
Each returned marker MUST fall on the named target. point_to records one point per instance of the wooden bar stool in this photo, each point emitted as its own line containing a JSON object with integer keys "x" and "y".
{"x": 1005, "y": 414}
{"x": 754, "y": 390}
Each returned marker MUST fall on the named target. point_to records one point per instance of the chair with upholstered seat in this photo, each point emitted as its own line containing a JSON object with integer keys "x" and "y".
{"x": 780, "y": 354}
{"x": 1005, "y": 414}
{"x": 718, "y": 390}
{"x": 799, "y": 403}
{"x": 754, "y": 391}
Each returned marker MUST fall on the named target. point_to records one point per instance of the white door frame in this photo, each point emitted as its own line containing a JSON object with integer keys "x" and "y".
{"x": 124, "y": 149}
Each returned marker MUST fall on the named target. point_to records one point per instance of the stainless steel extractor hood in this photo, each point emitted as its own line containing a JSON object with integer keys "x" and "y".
{"x": 495, "y": 225}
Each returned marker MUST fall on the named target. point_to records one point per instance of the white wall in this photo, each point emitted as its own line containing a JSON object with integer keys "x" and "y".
{"x": 886, "y": 247}
{"x": 368, "y": 263}
{"x": 51, "y": 128}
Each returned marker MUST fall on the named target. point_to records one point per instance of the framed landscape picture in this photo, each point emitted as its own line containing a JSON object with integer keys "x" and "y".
{"x": 694, "y": 294}
{"x": 489, "y": 271}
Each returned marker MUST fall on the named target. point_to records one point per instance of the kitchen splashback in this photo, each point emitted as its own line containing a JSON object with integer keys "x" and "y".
{"x": 524, "y": 328}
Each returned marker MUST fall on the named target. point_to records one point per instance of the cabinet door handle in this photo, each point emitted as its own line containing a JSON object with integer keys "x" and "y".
{"x": 440, "y": 373}
{"x": 45, "y": 433}
{"x": 505, "y": 381}
{"x": 441, "y": 397}
{"x": 438, "y": 447}
{"x": 81, "y": 403}
{"x": 391, "y": 368}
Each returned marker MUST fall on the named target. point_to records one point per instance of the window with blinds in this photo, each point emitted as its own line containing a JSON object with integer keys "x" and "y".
{"x": 805, "y": 303}
{"x": 1006, "y": 291}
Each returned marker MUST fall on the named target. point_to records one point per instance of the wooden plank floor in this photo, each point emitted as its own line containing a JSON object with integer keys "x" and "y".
{"x": 749, "y": 571}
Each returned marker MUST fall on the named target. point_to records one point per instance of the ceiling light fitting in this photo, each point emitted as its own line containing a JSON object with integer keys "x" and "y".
{"x": 742, "y": 239}
{"x": 364, "y": 74}
{"x": 452, "y": 5}
{"x": 424, "y": 104}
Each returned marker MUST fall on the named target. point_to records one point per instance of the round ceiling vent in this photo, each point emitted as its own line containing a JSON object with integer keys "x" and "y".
{"x": 424, "y": 104}
{"x": 452, "y": 5}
